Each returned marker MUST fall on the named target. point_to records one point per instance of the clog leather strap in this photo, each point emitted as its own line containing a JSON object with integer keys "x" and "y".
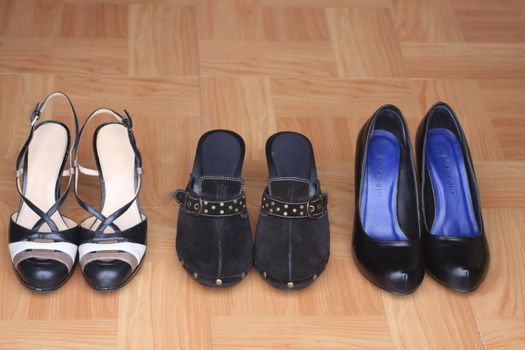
{"x": 196, "y": 205}
{"x": 310, "y": 209}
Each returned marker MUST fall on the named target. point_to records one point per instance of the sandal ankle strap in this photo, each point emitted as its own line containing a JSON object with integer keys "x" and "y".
{"x": 45, "y": 217}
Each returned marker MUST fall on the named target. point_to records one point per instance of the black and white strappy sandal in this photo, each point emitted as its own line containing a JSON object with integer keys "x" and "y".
{"x": 43, "y": 242}
{"x": 113, "y": 239}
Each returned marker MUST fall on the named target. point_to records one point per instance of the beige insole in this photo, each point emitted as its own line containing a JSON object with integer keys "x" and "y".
{"x": 117, "y": 166}
{"x": 45, "y": 155}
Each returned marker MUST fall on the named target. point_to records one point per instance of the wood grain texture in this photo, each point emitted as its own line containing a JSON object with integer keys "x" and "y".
{"x": 163, "y": 40}
{"x": 319, "y": 67}
{"x": 301, "y": 333}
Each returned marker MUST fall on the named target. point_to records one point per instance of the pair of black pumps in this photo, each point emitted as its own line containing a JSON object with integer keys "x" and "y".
{"x": 214, "y": 239}
{"x": 395, "y": 237}
{"x": 111, "y": 242}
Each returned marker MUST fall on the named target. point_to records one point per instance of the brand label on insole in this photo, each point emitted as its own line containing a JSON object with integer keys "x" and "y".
{"x": 378, "y": 173}
{"x": 448, "y": 172}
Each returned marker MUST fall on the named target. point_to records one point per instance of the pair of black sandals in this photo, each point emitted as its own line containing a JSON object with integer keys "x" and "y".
{"x": 214, "y": 238}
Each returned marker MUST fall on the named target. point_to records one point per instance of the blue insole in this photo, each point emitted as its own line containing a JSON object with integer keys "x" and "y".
{"x": 221, "y": 155}
{"x": 454, "y": 214}
{"x": 379, "y": 193}
{"x": 291, "y": 156}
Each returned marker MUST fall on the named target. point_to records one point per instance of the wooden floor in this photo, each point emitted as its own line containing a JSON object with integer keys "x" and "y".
{"x": 320, "y": 67}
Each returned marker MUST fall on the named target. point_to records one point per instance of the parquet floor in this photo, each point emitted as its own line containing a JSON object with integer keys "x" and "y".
{"x": 320, "y": 67}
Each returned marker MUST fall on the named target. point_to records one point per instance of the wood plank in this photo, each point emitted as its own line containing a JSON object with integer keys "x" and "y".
{"x": 222, "y": 58}
{"x": 295, "y": 24}
{"x": 145, "y": 96}
{"x": 38, "y": 334}
{"x": 505, "y": 103}
{"x": 350, "y": 98}
{"x": 467, "y": 61}
{"x": 501, "y": 184}
{"x": 64, "y": 55}
{"x": 484, "y": 25}
{"x": 503, "y": 333}
{"x": 328, "y": 3}
{"x": 432, "y": 318}
{"x": 365, "y": 43}
{"x": 426, "y": 21}
{"x": 163, "y": 40}
{"x": 300, "y": 333}
{"x": 230, "y": 20}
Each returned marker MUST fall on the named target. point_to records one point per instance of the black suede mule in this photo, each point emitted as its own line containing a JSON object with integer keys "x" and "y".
{"x": 43, "y": 242}
{"x": 455, "y": 245}
{"x": 214, "y": 239}
{"x": 293, "y": 232}
{"x": 113, "y": 238}
{"x": 387, "y": 235}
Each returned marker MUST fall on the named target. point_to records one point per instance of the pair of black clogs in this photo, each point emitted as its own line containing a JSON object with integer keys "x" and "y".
{"x": 398, "y": 232}
{"x": 214, "y": 239}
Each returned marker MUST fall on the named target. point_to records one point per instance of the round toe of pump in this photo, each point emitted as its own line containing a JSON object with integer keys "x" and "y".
{"x": 401, "y": 282}
{"x": 42, "y": 275}
{"x": 107, "y": 275}
{"x": 460, "y": 278}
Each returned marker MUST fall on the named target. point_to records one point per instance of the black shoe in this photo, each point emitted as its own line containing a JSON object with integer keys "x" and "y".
{"x": 455, "y": 246}
{"x": 387, "y": 234}
{"x": 214, "y": 239}
{"x": 293, "y": 232}
{"x": 113, "y": 239}
{"x": 43, "y": 242}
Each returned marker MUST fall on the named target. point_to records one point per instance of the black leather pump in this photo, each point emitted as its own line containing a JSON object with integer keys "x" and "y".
{"x": 455, "y": 246}
{"x": 214, "y": 239}
{"x": 387, "y": 235}
{"x": 293, "y": 232}
{"x": 43, "y": 242}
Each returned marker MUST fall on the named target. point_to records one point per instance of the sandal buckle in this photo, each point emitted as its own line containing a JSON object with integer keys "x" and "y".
{"x": 35, "y": 115}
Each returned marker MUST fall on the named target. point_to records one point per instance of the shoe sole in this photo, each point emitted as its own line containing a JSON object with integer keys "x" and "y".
{"x": 283, "y": 285}
{"x": 226, "y": 282}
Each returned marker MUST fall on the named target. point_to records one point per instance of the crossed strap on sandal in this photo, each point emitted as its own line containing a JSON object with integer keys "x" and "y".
{"x": 103, "y": 243}
{"x": 107, "y": 221}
